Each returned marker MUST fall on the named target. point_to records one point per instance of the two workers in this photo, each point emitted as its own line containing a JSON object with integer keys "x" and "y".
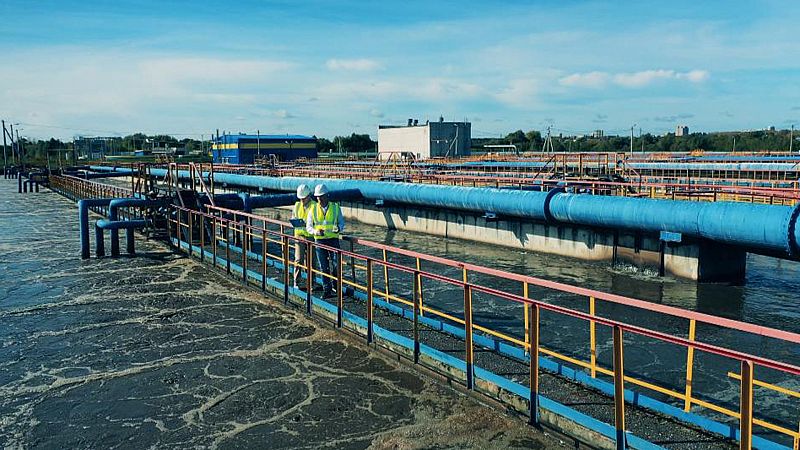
{"x": 324, "y": 223}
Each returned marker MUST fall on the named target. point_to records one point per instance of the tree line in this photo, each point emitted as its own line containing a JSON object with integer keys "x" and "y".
{"x": 745, "y": 141}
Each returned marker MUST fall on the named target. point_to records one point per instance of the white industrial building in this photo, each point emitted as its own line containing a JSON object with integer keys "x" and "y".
{"x": 423, "y": 141}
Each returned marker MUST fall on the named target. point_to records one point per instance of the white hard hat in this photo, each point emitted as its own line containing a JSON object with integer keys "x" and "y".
{"x": 320, "y": 190}
{"x": 303, "y": 191}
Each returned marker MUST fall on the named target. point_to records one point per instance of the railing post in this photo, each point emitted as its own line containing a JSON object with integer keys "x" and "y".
{"x": 309, "y": 274}
{"x": 370, "y": 318}
{"x": 190, "y": 223}
{"x": 214, "y": 239}
{"x": 533, "y": 338}
{"x": 746, "y": 407}
{"x": 339, "y": 291}
{"x": 228, "y": 246}
{"x": 592, "y": 340}
{"x": 178, "y": 228}
{"x": 619, "y": 389}
{"x": 687, "y": 404}
{"x": 202, "y": 236}
{"x": 469, "y": 355}
{"x": 264, "y": 264}
{"x": 415, "y": 297}
{"x": 244, "y": 241}
{"x": 285, "y": 257}
{"x": 419, "y": 286}
{"x": 386, "y": 277}
{"x": 526, "y": 319}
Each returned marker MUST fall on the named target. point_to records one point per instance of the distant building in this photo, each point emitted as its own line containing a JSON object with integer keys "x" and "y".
{"x": 681, "y": 130}
{"x": 248, "y": 148}
{"x": 429, "y": 140}
{"x": 96, "y": 147}
{"x": 597, "y": 134}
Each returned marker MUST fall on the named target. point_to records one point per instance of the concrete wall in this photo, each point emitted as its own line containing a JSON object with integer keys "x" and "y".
{"x": 414, "y": 140}
{"x": 697, "y": 260}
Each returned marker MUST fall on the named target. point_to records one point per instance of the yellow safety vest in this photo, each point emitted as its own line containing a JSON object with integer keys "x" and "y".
{"x": 326, "y": 222}
{"x": 301, "y": 212}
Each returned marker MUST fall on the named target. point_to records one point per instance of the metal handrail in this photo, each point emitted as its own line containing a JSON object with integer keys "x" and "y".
{"x": 747, "y": 360}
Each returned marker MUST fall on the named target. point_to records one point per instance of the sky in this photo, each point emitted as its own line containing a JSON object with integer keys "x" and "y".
{"x": 329, "y": 68}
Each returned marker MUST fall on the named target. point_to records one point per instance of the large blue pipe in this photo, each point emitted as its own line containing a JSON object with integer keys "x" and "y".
{"x": 768, "y": 228}
{"x": 762, "y": 226}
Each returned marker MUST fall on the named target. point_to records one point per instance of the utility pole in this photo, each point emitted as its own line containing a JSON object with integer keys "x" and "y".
{"x": 547, "y": 145}
{"x": 632, "y": 127}
{"x": 5, "y": 157}
{"x": 734, "y": 144}
{"x": 791, "y": 138}
{"x": 258, "y": 143}
{"x": 14, "y": 150}
{"x": 20, "y": 150}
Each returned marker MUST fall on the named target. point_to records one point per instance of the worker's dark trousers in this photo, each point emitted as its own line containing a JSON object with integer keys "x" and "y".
{"x": 328, "y": 261}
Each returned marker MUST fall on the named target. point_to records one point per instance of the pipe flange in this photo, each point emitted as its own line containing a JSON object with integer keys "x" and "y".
{"x": 794, "y": 246}
{"x": 552, "y": 193}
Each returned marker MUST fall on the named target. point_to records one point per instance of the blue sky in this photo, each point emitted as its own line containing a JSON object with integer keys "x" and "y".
{"x": 328, "y": 68}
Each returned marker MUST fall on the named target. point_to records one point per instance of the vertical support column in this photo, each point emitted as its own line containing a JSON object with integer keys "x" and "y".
{"x": 130, "y": 246}
{"x": 592, "y": 340}
{"x": 100, "y": 241}
{"x": 309, "y": 274}
{"x": 339, "y": 290}
{"x": 619, "y": 389}
{"x": 746, "y": 407}
{"x": 469, "y": 355}
{"x": 370, "y": 312}
{"x": 533, "y": 338}
{"x": 687, "y": 404}
{"x": 415, "y": 298}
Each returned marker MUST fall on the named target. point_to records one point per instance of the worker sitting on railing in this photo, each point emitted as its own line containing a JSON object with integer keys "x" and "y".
{"x": 325, "y": 222}
{"x": 301, "y": 209}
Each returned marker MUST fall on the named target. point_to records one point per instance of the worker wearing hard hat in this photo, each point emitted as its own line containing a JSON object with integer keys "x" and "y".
{"x": 305, "y": 202}
{"x": 325, "y": 222}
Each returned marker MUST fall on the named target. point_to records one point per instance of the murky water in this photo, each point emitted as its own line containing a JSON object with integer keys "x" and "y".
{"x": 768, "y": 297}
{"x": 157, "y": 351}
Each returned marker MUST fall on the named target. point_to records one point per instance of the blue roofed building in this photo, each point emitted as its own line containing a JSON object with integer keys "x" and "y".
{"x": 249, "y": 148}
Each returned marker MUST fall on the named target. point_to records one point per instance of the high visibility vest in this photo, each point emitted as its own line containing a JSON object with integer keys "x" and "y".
{"x": 326, "y": 222}
{"x": 301, "y": 212}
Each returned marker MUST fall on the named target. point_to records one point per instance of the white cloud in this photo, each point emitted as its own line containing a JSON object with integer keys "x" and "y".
{"x": 359, "y": 65}
{"x": 589, "y": 79}
{"x": 695, "y": 76}
{"x": 639, "y": 79}
{"x": 518, "y": 92}
{"x": 283, "y": 114}
{"x": 642, "y": 78}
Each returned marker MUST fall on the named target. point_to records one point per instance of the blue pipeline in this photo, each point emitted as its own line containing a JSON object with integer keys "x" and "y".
{"x": 763, "y": 226}
{"x": 768, "y": 228}
{"x": 83, "y": 220}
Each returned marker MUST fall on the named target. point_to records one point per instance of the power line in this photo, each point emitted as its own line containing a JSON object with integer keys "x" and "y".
{"x": 109, "y": 131}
